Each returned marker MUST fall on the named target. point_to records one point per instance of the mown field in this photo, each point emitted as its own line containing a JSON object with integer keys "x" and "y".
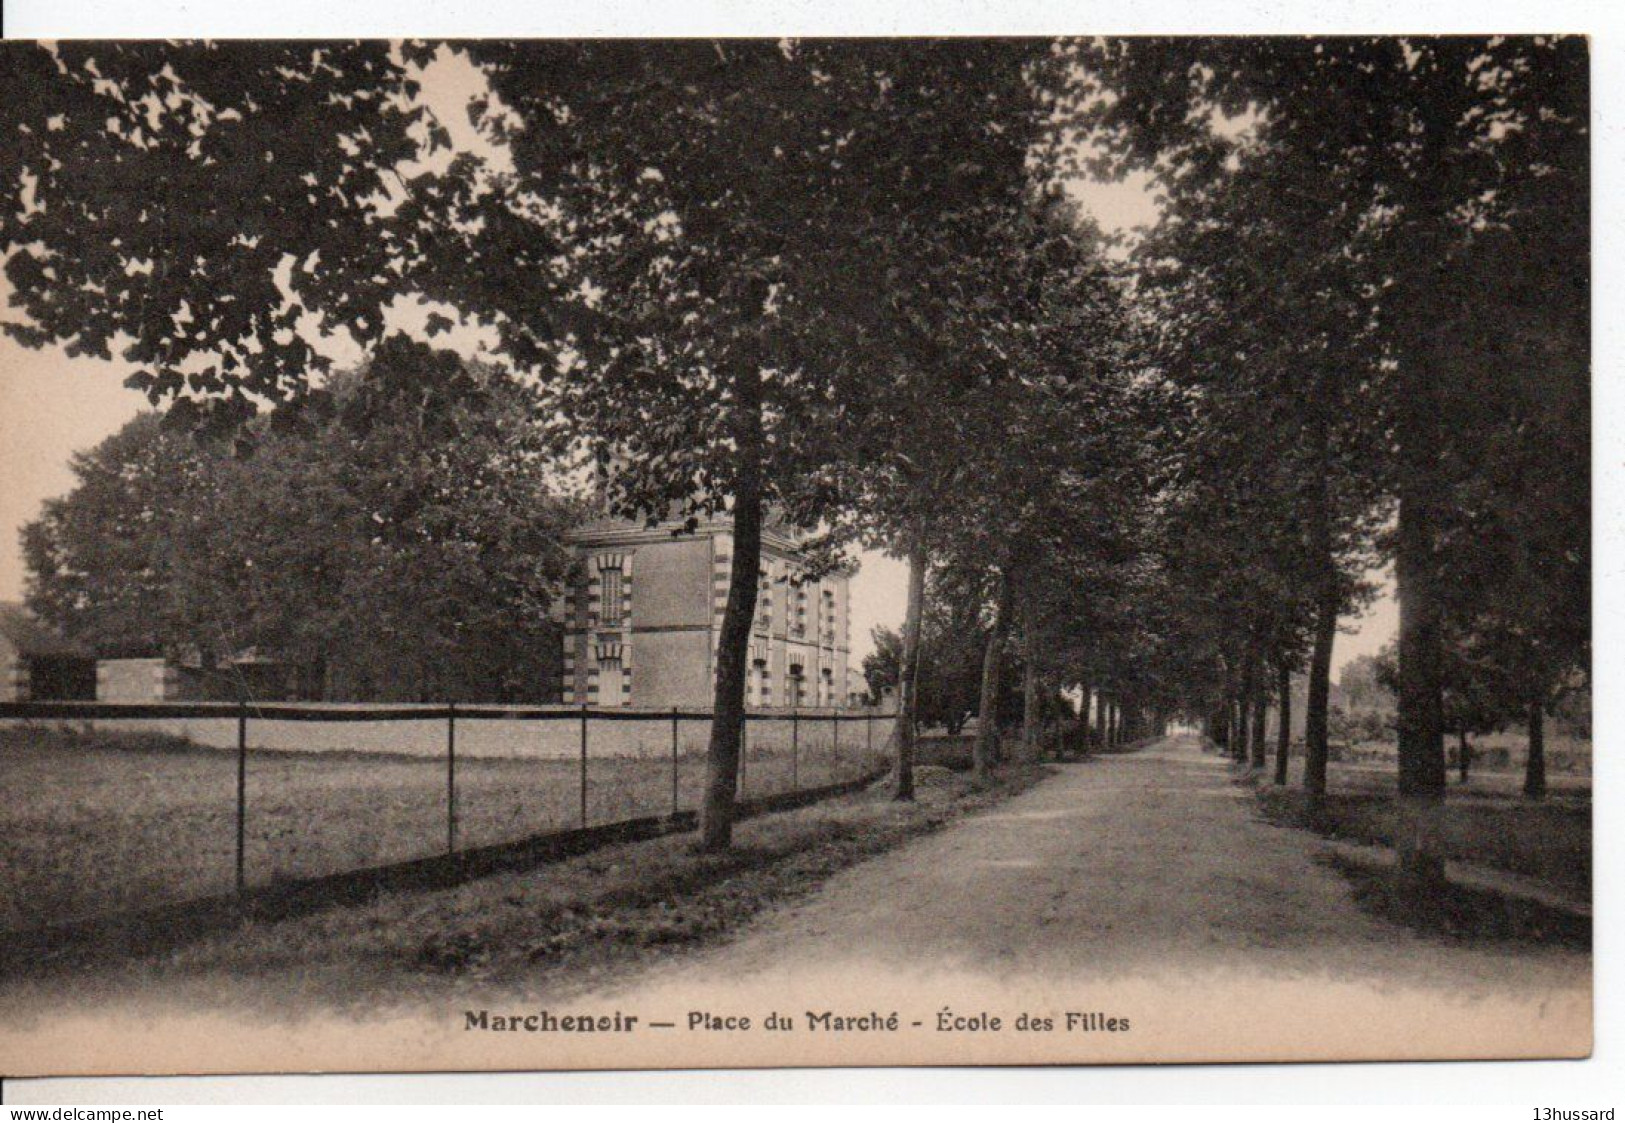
{"x": 95, "y": 824}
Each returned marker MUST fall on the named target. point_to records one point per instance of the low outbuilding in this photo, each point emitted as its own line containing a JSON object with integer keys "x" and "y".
{"x": 38, "y": 665}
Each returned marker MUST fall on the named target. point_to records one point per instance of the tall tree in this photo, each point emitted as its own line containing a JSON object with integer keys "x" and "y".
{"x": 1278, "y": 494}
{"x": 1414, "y": 150}
{"x": 408, "y": 546}
{"x": 676, "y": 240}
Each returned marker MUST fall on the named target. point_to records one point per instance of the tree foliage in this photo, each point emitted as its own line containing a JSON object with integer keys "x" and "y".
{"x": 1400, "y": 170}
{"x": 411, "y": 546}
{"x": 840, "y": 284}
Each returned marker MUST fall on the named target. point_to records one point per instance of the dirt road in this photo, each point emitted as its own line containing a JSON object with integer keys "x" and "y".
{"x": 1141, "y": 887}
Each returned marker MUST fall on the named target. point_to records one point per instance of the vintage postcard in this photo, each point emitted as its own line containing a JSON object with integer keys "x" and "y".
{"x": 685, "y": 553}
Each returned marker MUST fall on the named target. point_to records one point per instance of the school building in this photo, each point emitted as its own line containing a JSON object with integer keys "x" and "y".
{"x": 641, "y": 626}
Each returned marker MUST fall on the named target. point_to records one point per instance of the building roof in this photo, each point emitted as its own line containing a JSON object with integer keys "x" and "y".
{"x": 609, "y": 531}
{"x": 30, "y": 637}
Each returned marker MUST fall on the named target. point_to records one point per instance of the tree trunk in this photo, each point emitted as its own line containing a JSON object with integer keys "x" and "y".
{"x": 1534, "y": 775}
{"x": 1427, "y": 344}
{"x": 1421, "y": 704}
{"x": 1030, "y": 717}
{"x": 1244, "y": 714}
{"x": 1317, "y": 705}
{"x": 1283, "y": 735}
{"x": 733, "y": 641}
{"x": 1464, "y": 754}
{"x": 1421, "y": 694}
{"x": 1328, "y": 602}
{"x": 1238, "y": 750}
{"x": 987, "y": 715}
{"x": 1260, "y": 714}
{"x": 909, "y": 674}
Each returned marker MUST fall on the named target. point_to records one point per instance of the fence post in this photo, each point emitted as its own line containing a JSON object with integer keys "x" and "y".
{"x": 451, "y": 779}
{"x": 674, "y": 796}
{"x": 242, "y": 792}
{"x": 584, "y": 764}
{"x": 795, "y": 737}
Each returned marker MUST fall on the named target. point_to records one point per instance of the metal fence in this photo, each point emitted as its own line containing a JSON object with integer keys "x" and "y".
{"x": 99, "y": 815}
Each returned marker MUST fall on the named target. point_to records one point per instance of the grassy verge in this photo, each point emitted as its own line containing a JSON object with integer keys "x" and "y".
{"x": 1549, "y": 841}
{"x": 558, "y": 929}
{"x": 1487, "y": 824}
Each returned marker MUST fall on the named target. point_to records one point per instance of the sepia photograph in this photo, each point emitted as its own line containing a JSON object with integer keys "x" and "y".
{"x": 689, "y": 553}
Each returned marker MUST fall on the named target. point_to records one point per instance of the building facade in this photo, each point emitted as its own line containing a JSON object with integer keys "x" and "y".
{"x": 641, "y": 626}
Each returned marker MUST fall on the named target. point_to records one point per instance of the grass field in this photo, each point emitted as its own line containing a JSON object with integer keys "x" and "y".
{"x": 96, "y": 824}
{"x": 1486, "y": 821}
{"x": 555, "y": 929}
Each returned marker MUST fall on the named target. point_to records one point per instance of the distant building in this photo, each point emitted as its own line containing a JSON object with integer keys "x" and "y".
{"x": 37, "y": 665}
{"x": 642, "y": 626}
{"x": 248, "y": 674}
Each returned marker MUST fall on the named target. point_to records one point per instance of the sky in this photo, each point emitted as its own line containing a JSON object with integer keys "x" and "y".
{"x": 52, "y": 405}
